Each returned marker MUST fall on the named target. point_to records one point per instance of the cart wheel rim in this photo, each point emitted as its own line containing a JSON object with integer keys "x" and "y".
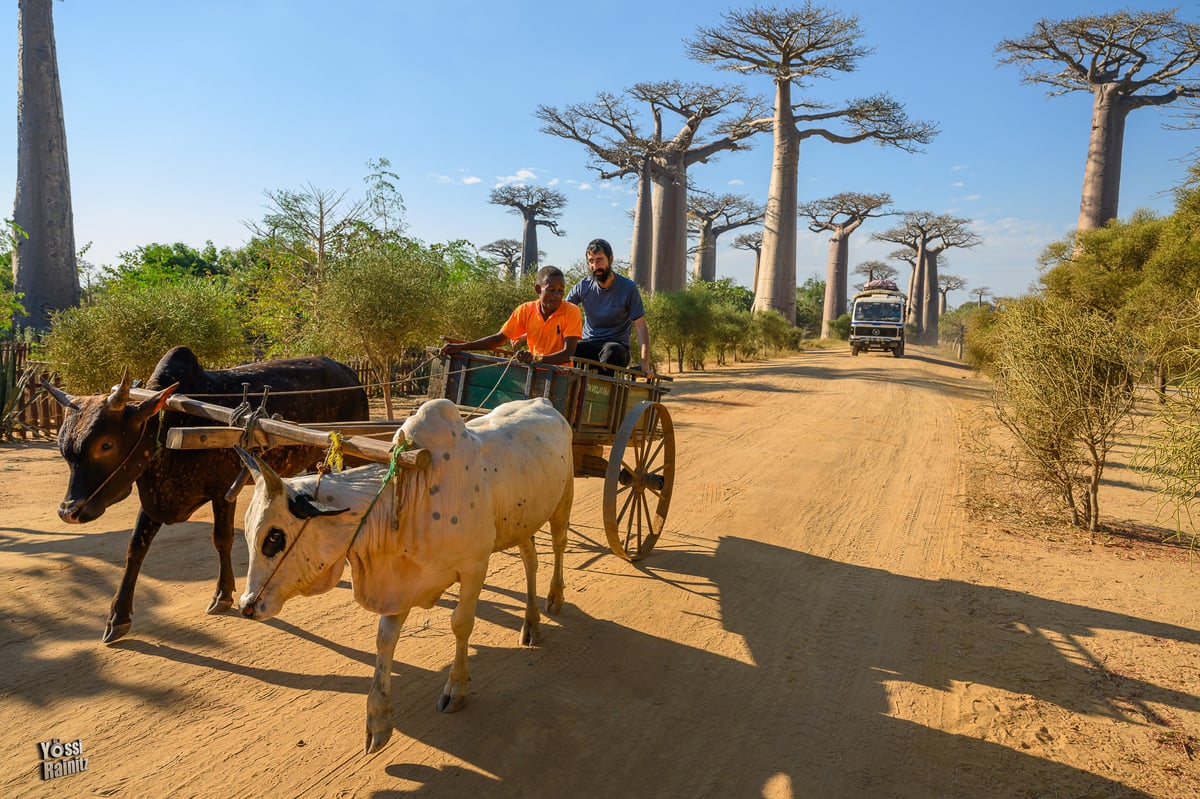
{"x": 639, "y": 480}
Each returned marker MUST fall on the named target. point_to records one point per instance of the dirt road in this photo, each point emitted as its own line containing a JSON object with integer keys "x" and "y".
{"x": 821, "y": 618}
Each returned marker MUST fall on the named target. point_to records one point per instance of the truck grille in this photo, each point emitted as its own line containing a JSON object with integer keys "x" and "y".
{"x": 875, "y": 331}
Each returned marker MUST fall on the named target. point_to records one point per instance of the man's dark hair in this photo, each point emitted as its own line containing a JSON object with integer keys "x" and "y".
{"x": 547, "y": 272}
{"x": 599, "y": 245}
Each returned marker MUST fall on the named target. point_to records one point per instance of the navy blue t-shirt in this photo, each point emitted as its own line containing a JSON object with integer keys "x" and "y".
{"x": 608, "y": 313}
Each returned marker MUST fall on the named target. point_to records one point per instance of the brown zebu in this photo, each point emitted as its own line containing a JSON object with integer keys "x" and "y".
{"x": 111, "y": 443}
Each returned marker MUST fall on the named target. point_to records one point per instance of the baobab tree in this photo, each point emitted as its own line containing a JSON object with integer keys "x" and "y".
{"x": 710, "y": 216}
{"x": 946, "y": 284}
{"x": 927, "y": 235}
{"x": 979, "y": 292}
{"x": 538, "y": 206}
{"x": 875, "y": 270}
{"x": 841, "y": 215}
{"x": 793, "y": 46}
{"x": 44, "y": 267}
{"x": 1126, "y": 60}
{"x": 615, "y": 135}
{"x": 509, "y": 253}
{"x": 753, "y": 243}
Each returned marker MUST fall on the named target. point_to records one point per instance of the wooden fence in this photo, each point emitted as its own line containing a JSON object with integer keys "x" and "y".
{"x": 40, "y": 415}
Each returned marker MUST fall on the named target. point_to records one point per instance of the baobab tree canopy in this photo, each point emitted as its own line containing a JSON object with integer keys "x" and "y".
{"x": 792, "y": 46}
{"x": 1126, "y": 60}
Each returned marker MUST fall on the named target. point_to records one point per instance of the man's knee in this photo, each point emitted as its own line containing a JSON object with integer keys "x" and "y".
{"x": 615, "y": 354}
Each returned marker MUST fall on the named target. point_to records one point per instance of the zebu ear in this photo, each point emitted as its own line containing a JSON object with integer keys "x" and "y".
{"x": 303, "y": 506}
{"x": 149, "y": 407}
{"x": 120, "y": 393}
{"x": 261, "y": 472}
{"x": 63, "y": 398}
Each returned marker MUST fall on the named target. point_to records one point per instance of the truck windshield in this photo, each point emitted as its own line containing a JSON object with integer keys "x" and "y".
{"x": 877, "y": 311}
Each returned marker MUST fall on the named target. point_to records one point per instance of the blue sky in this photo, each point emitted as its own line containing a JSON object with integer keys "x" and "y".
{"x": 179, "y": 116}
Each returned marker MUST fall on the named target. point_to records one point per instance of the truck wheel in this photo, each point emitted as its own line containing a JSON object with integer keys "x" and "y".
{"x": 854, "y": 349}
{"x": 899, "y": 351}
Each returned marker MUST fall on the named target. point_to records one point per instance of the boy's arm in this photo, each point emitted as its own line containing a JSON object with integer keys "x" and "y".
{"x": 486, "y": 343}
{"x": 564, "y": 355}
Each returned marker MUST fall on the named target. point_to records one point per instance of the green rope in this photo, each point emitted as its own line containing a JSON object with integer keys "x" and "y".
{"x": 393, "y": 467}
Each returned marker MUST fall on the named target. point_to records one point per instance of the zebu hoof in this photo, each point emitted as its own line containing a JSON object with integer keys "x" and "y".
{"x": 376, "y": 739}
{"x": 219, "y": 604}
{"x": 554, "y": 604}
{"x": 451, "y": 704}
{"x": 529, "y": 634}
{"x": 113, "y": 631}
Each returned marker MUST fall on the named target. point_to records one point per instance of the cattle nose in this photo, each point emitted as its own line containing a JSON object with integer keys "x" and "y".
{"x": 248, "y": 611}
{"x": 69, "y": 512}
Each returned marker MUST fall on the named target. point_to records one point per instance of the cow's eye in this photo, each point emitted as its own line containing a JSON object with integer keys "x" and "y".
{"x": 274, "y": 543}
{"x": 106, "y": 446}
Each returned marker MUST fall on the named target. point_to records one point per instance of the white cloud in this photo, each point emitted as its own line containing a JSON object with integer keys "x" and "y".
{"x": 436, "y": 178}
{"x": 552, "y": 182}
{"x": 973, "y": 198}
{"x": 958, "y": 184}
{"x": 958, "y": 168}
{"x": 521, "y": 176}
{"x": 471, "y": 180}
{"x": 737, "y": 182}
{"x": 585, "y": 186}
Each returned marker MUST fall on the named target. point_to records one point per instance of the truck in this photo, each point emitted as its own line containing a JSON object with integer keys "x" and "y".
{"x": 877, "y": 318}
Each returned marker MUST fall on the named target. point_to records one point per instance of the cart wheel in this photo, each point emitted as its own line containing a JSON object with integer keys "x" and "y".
{"x": 637, "y": 486}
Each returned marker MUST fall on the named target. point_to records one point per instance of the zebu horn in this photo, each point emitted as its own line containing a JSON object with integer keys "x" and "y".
{"x": 261, "y": 472}
{"x": 63, "y": 398}
{"x": 120, "y": 393}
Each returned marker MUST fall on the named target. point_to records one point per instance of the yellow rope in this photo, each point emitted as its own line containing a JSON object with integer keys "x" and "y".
{"x": 333, "y": 456}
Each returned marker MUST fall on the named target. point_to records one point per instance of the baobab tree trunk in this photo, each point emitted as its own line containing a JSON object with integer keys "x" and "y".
{"x": 930, "y": 299}
{"x": 669, "y": 272}
{"x": 1102, "y": 174}
{"x": 775, "y": 288}
{"x": 529, "y": 244}
{"x": 641, "y": 253}
{"x": 916, "y": 302}
{"x": 704, "y": 267}
{"x": 44, "y": 268}
{"x": 835, "y": 284}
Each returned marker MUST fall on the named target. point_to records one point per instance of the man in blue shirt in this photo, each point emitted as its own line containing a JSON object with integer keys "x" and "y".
{"x": 612, "y": 305}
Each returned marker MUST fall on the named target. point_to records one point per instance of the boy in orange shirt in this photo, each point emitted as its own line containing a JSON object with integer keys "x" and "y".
{"x": 550, "y": 327}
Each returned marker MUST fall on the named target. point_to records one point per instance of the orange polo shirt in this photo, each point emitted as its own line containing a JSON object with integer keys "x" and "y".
{"x": 544, "y": 336}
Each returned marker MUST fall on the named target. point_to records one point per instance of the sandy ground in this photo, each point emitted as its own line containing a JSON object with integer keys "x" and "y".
{"x": 823, "y": 617}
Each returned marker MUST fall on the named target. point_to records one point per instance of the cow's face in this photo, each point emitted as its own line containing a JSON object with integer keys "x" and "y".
{"x": 293, "y": 548}
{"x": 101, "y": 439}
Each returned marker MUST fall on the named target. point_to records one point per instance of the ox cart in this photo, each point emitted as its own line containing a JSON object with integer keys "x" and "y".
{"x": 622, "y": 432}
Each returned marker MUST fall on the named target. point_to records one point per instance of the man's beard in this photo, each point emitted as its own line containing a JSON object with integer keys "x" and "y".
{"x": 602, "y": 275}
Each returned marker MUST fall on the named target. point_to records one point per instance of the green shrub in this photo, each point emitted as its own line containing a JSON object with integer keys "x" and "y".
{"x": 135, "y": 325}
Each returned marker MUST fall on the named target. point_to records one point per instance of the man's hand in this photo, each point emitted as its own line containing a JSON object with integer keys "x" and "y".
{"x": 449, "y": 349}
{"x": 525, "y": 356}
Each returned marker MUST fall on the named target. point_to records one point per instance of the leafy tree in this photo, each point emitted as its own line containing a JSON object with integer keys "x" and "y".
{"x": 681, "y": 322}
{"x": 479, "y": 307}
{"x": 155, "y": 263}
{"x": 726, "y": 292}
{"x": 383, "y": 303}
{"x": 840, "y": 215}
{"x": 134, "y": 325}
{"x": 538, "y": 206}
{"x": 10, "y": 301}
{"x": 44, "y": 269}
{"x": 810, "y": 306}
{"x": 1126, "y": 60}
{"x": 384, "y": 201}
{"x": 1064, "y": 381}
{"x": 792, "y": 46}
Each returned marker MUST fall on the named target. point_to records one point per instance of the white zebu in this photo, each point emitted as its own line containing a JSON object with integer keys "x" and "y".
{"x": 491, "y": 485}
